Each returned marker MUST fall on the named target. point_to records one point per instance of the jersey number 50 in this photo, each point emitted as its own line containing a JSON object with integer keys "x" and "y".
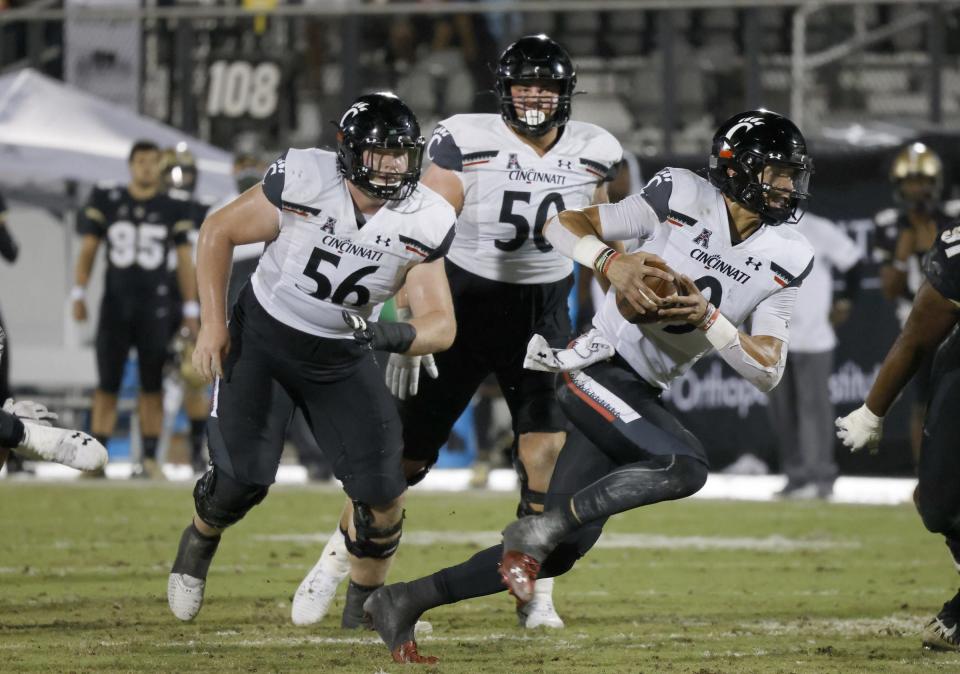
{"x": 347, "y": 286}
{"x": 523, "y": 226}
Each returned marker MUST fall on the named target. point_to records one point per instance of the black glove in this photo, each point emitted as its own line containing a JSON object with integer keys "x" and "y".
{"x": 381, "y": 336}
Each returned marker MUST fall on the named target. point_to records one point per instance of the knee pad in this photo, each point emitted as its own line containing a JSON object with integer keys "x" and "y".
{"x": 222, "y": 501}
{"x": 692, "y": 473}
{"x": 364, "y": 546}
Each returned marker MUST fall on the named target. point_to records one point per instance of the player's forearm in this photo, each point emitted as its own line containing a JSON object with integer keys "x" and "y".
{"x": 186, "y": 278}
{"x": 565, "y": 230}
{"x": 214, "y": 257}
{"x": 88, "y": 253}
{"x": 893, "y": 282}
{"x": 436, "y": 331}
{"x": 758, "y": 359}
{"x": 902, "y": 362}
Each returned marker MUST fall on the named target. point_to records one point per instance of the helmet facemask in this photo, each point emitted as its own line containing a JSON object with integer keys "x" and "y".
{"x": 387, "y": 170}
{"x": 539, "y": 106}
{"x": 773, "y": 187}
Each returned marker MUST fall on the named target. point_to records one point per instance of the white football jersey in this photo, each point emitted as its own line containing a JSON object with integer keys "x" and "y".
{"x": 683, "y": 218}
{"x": 510, "y": 192}
{"x": 323, "y": 262}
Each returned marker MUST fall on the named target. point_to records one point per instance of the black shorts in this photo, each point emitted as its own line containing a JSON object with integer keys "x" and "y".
{"x": 133, "y": 321}
{"x": 495, "y": 321}
{"x": 273, "y": 368}
{"x": 620, "y": 413}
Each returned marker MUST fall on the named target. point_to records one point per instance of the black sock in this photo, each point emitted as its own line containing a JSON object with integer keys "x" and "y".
{"x": 11, "y": 430}
{"x": 198, "y": 431}
{"x": 150, "y": 447}
{"x": 195, "y": 552}
{"x": 479, "y": 576}
{"x": 353, "y": 606}
{"x": 102, "y": 439}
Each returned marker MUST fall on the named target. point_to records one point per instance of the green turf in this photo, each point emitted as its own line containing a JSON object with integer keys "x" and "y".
{"x": 83, "y": 576}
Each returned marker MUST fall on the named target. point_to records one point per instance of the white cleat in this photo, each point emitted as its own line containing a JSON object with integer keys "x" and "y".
{"x": 313, "y": 598}
{"x": 185, "y": 595}
{"x": 71, "y": 448}
{"x": 540, "y": 611}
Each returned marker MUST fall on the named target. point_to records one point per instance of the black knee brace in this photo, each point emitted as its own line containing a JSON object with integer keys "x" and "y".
{"x": 222, "y": 501}
{"x": 417, "y": 477}
{"x": 528, "y": 497}
{"x": 364, "y": 546}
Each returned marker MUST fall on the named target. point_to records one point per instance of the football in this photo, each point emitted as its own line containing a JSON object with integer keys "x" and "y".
{"x": 661, "y": 287}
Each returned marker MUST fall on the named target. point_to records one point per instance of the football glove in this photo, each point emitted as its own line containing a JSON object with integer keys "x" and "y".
{"x": 27, "y": 410}
{"x": 861, "y": 428}
{"x": 403, "y": 373}
{"x": 380, "y": 335}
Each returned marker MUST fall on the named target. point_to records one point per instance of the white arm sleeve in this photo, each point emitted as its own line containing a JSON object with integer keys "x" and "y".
{"x": 632, "y": 218}
{"x": 770, "y": 318}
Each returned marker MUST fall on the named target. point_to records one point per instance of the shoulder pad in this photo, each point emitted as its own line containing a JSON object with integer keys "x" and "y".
{"x": 793, "y": 258}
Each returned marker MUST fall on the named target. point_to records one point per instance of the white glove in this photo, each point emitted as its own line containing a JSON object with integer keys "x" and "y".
{"x": 27, "y": 410}
{"x": 585, "y": 350}
{"x": 403, "y": 373}
{"x": 861, "y": 428}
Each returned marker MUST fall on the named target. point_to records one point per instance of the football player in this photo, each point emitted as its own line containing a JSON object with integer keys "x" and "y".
{"x": 505, "y": 175}
{"x": 139, "y": 223}
{"x": 344, "y": 231}
{"x": 730, "y": 262}
{"x": 930, "y": 330}
{"x": 179, "y": 173}
{"x": 904, "y": 234}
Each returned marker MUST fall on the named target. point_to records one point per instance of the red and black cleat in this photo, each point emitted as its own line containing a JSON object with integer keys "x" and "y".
{"x": 406, "y": 653}
{"x": 519, "y": 573}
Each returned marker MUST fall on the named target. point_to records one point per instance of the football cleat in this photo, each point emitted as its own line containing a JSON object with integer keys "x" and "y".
{"x": 317, "y": 590}
{"x": 389, "y": 612}
{"x": 185, "y": 595}
{"x": 942, "y": 633}
{"x": 519, "y": 573}
{"x": 71, "y": 448}
{"x": 540, "y": 611}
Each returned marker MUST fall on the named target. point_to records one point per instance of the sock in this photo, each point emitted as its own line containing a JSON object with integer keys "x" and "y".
{"x": 198, "y": 430}
{"x": 477, "y": 577}
{"x": 12, "y": 433}
{"x": 353, "y": 606}
{"x": 102, "y": 439}
{"x": 150, "y": 447}
{"x": 195, "y": 552}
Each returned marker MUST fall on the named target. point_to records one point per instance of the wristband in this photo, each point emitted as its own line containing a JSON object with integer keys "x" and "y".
{"x": 602, "y": 263}
{"x": 719, "y": 331}
{"x": 191, "y": 309}
{"x": 588, "y": 249}
{"x": 78, "y": 293}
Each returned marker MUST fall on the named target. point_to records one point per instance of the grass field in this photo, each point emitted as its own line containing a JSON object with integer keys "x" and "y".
{"x": 695, "y": 586}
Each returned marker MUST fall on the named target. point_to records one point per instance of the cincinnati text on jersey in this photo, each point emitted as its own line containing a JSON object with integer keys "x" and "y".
{"x": 717, "y": 263}
{"x": 531, "y": 176}
{"x": 347, "y": 247}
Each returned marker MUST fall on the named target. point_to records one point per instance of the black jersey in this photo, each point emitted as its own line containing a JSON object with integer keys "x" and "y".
{"x": 941, "y": 265}
{"x": 139, "y": 236}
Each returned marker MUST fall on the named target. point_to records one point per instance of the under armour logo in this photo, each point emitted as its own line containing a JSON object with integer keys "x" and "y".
{"x": 86, "y": 438}
{"x": 328, "y": 225}
{"x": 755, "y": 265}
{"x": 703, "y": 238}
{"x": 541, "y": 354}
{"x": 386, "y": 240}
{"x": 564, "y": 163}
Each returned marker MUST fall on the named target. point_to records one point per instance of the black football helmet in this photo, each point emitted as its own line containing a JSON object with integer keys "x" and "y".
{"x": 372, "y": 130}
{"x": 535, "y": 58}
{"x": 759, "y": 159}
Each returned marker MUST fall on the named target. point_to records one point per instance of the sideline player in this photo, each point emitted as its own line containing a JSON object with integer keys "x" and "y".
{"x": 625, "y": 450}
{"x": 505, "y": 175}
{"x": 344, "y": 231}
{"x": 139, "y": 224}
{"x": 930, "y": 330}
